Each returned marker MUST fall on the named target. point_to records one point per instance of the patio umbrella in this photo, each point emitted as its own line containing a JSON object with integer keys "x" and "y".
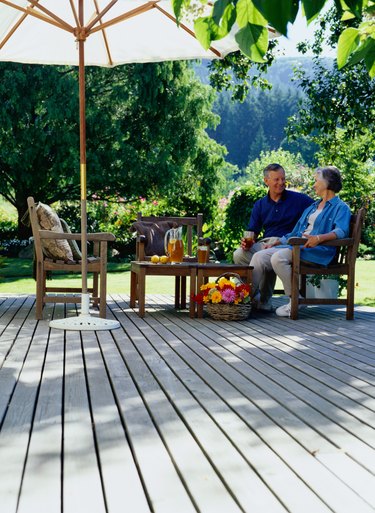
{"x": 99, "y": 33}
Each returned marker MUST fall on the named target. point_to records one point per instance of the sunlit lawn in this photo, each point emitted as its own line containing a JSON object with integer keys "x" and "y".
{"x": 16, "y": 278}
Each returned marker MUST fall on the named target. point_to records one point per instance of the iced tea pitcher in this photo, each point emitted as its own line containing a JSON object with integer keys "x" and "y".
{"x": 174, "y": 246}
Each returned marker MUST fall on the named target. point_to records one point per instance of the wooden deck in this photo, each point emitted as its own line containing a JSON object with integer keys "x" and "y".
{"x": 173, "y": 415}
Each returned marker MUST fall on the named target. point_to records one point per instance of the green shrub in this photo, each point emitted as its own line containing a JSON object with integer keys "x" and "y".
{"x": 237, "y": 215}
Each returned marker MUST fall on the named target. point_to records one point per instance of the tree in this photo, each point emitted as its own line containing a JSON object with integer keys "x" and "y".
{"x": 356, "y": 43}
{"x": 338, "y": 114}
{"x": 144, "y": 130}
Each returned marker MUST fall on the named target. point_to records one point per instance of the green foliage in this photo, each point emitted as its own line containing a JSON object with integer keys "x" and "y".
{"x": 298, "y": 175}
{"x": 237, "y": 215}
{"x": 253, "y": 16}
{"x": 145, "y": 133}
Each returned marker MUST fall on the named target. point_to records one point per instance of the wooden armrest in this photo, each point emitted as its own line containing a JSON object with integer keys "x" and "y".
{"x": 300, "y": 241}
{"x": 96, "y": 237}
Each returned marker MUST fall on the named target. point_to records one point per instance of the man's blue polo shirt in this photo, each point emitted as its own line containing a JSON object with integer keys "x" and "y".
{"x": 276, "y": 218}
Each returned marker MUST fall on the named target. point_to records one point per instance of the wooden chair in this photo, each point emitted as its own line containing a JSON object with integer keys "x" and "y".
{"x": 97, "y": 264}
{"x": 192, "y": 234}
{"x": 344, "y": 264}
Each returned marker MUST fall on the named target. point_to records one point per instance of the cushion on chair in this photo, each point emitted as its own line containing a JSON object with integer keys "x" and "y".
{"x": 154, "y": 233}
{"x": 48, "y": 220}
{"x": 77, "y": 255}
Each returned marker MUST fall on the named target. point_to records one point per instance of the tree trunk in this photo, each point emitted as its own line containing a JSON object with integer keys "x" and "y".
{"x": 23, "y": 231}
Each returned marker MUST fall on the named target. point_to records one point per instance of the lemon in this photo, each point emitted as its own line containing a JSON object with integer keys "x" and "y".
{"x": 155, "y": 259}
{"x": 164, "y": 259}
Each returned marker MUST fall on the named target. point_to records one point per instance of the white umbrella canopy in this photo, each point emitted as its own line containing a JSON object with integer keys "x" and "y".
{"x": 99, "y": 33}
{"x": 117, "y": 32}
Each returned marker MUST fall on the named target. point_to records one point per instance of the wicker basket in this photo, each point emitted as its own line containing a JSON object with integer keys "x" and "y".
{"x": 229, "y": 312}
{"x": 226, "y": 312}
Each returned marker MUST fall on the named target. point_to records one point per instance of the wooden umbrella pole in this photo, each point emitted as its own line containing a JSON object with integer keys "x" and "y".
{"x": 81, "y": 36}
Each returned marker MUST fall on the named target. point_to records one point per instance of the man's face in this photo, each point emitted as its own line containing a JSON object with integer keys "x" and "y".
{"x": 275, "y": 182}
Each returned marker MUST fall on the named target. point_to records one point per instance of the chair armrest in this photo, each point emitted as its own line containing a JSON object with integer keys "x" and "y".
{"x": 300, "y": 241}
{"x": 96, "y": 237}
{"x": 141, "y": 238}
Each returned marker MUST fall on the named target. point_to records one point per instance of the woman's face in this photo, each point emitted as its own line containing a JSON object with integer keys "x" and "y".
{"x": 320, "y": 185}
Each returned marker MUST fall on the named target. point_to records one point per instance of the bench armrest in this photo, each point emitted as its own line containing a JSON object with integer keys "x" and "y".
{"x": 300, "y": 241}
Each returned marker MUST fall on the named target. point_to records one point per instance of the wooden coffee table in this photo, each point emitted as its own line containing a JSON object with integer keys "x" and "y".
{"x": 139, "y": 271}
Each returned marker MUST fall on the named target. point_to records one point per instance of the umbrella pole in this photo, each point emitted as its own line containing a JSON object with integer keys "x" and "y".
{"x": 84, "y": 321}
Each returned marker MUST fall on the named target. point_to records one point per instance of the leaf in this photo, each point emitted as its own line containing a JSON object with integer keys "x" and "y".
{"x": 248, "y": 13}
{"x": 312, "y": 8}
{"x": 177, "y": 7}
{"x": 347, "y": 44}
{"x": 354, "y": 6}
{"x": 347, "y": 16}
{"x": 219, "y": 9}
{"x": 253, "y": 41}
{"x": 370, "y": 58}
{"x": 278, "y": 13}
{"x": 225, "y": 21}
{"x": 203, "y": 32}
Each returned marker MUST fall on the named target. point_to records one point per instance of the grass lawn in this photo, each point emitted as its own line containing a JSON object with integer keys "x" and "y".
{"x": 16, "y": 278}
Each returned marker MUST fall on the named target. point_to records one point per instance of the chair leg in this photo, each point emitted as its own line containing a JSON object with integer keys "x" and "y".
{"x": 40, "y": 291}
{"x": 294, "y": 297}
{"x": 350, "y": 287}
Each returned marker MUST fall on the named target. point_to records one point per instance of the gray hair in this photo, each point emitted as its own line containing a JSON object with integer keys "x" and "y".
{"x": 332, "y": 176}
{"x": 272, "y": 167}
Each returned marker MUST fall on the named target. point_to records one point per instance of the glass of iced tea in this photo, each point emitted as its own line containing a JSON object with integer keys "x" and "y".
{"x": 249, "y": 238}
{"x": 203, "y": 254}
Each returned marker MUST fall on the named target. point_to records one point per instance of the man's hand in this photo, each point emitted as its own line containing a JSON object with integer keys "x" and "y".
{"x": 245, "y": 245}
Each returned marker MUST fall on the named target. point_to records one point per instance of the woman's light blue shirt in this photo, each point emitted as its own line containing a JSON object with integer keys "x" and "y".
{"x": 335, "y": 217}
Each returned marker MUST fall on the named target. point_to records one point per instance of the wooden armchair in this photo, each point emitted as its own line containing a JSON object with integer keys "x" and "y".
{"x": 56, "y": 250}
{"x": 344, "y": 264}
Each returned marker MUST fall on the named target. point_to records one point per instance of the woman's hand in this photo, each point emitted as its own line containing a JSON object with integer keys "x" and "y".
{"x": 312, "y": 241}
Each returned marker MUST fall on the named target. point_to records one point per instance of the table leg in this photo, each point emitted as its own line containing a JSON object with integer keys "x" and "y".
{"x": 193, "y": 284}
{"x": 141, "y": 292}
{"x": 177, "y": 291}
{"x": 183, "y": 292}
{"x": 133, "y": 288}
{"x": 200, "y": 279}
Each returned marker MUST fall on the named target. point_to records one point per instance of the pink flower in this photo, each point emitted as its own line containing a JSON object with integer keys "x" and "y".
{"x": 228, "y": 295}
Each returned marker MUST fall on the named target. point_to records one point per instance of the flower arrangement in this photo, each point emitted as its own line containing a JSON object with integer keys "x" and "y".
{"x": 223, "y": 291}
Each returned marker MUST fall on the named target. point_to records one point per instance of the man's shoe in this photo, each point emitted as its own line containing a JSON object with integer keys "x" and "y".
{"x": 259, "y": 306}
{"x": 265, "y": 307}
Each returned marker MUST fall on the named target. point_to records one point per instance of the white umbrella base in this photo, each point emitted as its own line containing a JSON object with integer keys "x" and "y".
{"x": 84, "y": 323}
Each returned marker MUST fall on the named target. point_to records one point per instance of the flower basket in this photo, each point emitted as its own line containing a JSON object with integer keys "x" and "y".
{"x": 221, "y": 312}
{"x": 226, "y": 299}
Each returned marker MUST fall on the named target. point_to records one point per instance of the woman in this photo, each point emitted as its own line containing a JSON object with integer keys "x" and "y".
{"x": 326, "y": 219}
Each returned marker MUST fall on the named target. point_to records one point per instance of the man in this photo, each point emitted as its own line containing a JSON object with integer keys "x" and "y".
{"x": 275, "y": 215}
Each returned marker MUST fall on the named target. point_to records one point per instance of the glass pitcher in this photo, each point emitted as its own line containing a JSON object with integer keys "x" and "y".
{"x": 174, "y": 246}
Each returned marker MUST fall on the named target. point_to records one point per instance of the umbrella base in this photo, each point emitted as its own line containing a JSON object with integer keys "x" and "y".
{"x": 84, "y": 323}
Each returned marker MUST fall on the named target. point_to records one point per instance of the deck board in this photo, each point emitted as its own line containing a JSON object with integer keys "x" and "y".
{"x": 176, "y": 415}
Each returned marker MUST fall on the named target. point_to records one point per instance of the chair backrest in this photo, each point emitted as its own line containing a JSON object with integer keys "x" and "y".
{"x": 35, "y": 228}
{"x": 192, "y": 230}
{"x": 356, "y": 223}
